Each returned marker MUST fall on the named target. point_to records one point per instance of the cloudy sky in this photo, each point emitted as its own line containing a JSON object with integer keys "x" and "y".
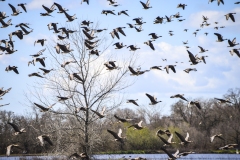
{"x": 212, "y": 79}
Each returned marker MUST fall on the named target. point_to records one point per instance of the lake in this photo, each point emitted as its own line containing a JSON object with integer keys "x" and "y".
{"x": 148, "y": 156}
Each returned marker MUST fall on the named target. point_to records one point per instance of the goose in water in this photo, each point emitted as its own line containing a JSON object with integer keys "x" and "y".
{"x": 44, "y": 109}
{"x": 184, "y": 141}
{"x": 217, "y": 135}
{"x": 16, "y": 129}
{"x": 100, "y": 114}
{"x": 44, "y": 138}
{"x": 137, "y": 126}
{"x": 146, "y": 5}
{"x": 118, "y": 136}
{"x": 153, "y": 99}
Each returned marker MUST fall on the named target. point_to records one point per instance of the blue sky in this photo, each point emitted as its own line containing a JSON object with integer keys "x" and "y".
{"x": 211, "y": 80}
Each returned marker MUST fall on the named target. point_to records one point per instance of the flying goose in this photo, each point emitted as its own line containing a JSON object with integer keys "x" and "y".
{"x": 185, "y": 30}
{"x": 169, "y": 19}
{"x": 185, "y": 153}
{"x": 44, "y": 109}
{"x": 235, "y": 51}
{"x": 137, "y": 72}
{"x": 118, "y": 136}
{"x": 67, "y": 62}
{"x": 43, "y": 138}
{"x": 132, "y": 47}
{"x": 149, "y": 43}
{"x": 158, "y": 20}
{"x": 26, "y": 32}
{"x": 181, "y": 6}
{"x": 64, "y": 98}
{"x": 195, "y": 33}
{"x": 202, "y": 58}
{"x": 139, "y": 29}
{"x": 4, "y": 104}
{"x": 10, "y": 51}
{"x": 17, "y": 33}
{"x": 154, "y": 35}
{"x": 10, "y": 147}
{"x": 171, "y": 157}
{"x": 54, "y": 25}
{"x": 146, "y": 5}
{"x": 41, "y": 41}
{"x": 5, "y": 25}
{"x": 156, "y": 67}
{"x": 108, "y": 12}
{"x": 121, "y": 120}
{"x": 196, "y": 103}
{"x": 83, "y": 155}
{"x": 86, "y": 23}
{"x": 184, "y": 141}
{"x": 111, "y": 2}
{"x": 133, "y": 101}
{"x": 153, "y": 99}
{"x": 217, "y": 135}
{"x": 229, "y": 146}
{"x": 223, "y": 100}
{"x": 192, "y": 58}
{"x": 220, "y": 1}
{"x": 75, "y": 76}
{"x": 46, "y": 71}
{"x": 64, "y": 48}
{"x": 111, "y": 65}
{"x": 60, "y": 8}
{"x": 220, "y": 37}
{"x": 162, "y": 132}
{"x": 61, "y": 37}
{"x": 3, "y": 15}
{"x": 138, "y": 21}
{"x": 45, "y": 14}
{"x": 12, "y": 68}
{"x": 119, "y": 45}
{"x": 130, "y": 25}
{"x": 187, "y": 70}
{"x": 16, "y": 129}
{"x": 35, "y": 74}
{"x": 137, "y": 126}
{"x": 40, "y": 60}
{"x": 114, "y": 33}
{"x": 232, "y": 43}
{"x": 96, "y": 52}
{"x": 3, "y": 92}
{"x": 87, "y": 1}
{"x": 185, "y": 42}
{"x": 101, "y": 114}
{"x": 39, "y": 53}
{"x": 177, "y": 15}
{"x": 202, "y": 50}
{"x": 14, "y": 10}
{"x": 123, "y": 12}
{"x": 167, "y": 142}
{"x": 49, "y": 10}
{"x": 179, "y": 96}
{"x": 89, "y": 36}
{"x": 172, "y": 67}
{"x": 70, "y": 18}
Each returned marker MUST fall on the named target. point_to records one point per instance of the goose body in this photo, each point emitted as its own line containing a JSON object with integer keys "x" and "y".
{"x": 172, "y": 67}
{"x": 16, "y": 129}
{"x": 43, "y": 138}
{"x": 118, "y": 136}
{"x": 44, "y": 109}
{"x": 152, "y": 99}
{"x": 137, "y": 126}
{"x": 179, "y": 96}
{"x": 184, "y": 141}
{"x": 12, "y": 68}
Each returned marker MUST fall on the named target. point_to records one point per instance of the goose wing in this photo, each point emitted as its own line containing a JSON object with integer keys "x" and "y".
{"x": 15, "y": 127}
{"x": 173, "y": 68}
{"x": 164, "y": 140}
{"x": 150, "y": 97}
{"x": 120, "y": 133}
{"x": 46, "y": 138}
{"x": 12, "y": 7}
{"x": 169, "y": 154}
{"x": 180, "y": 136}
{"x": 115, "y": 135}
{"x": 132, "y": 70}
{"x": 120, "y": 119}
{"x": 15, "y": 70}
{"x": 40, "y": 106}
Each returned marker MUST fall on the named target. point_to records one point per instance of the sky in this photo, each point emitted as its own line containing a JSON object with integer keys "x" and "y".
{"x": 213, "y": 79}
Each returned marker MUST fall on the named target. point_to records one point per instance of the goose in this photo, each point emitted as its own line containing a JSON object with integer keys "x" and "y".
{"x": 10, "y": 51}
{"x": 101, "y": 114}
{"x": 167, "y": 142}
{"x": 202, "y": 50}
{"x": 67, "y": 62}
{"x": 222, "y": 26}
{"x": 121, "y": 120}
{"x": 131, "y": 25}
{"x": 54, "y": 25}
{"x": 206, "y": 33}
{"x": 138, "y": 21}
{"x": 16, "y": 129}
{"x": 185, "y": 30}
{"x": 229, "y": 146}
{"x": 89, "y": 36}
{"x": 64, "y": 98}
{"x": 41, "y": 41}
{"x": 43, "y": 138}
{"x": 111, "y": 2}
{"x": 40, "y": 60}
{"x": 61, "y": 37}
{"x": 111, "y": 65}
{"x": 180, "y": 20}
{"x": 153, "y": 99}
{"x": 108, "y": 12}
{"x": 169, "y": 19}
{"x": 91, "y": 43}
{"x": 38, "y": 53}
{"x": 192, "y": 58}
{"x": 205, "y": 18}
{"x": 46, "y": 71}
{"x": 44, "y": 109}
{"x": 123, "y": 12}
{"x": 171, "y": 157}
{"x": 3, "y": 92}
{"x": 187, "y": 70}
{"x": 185, "y": 42}
{"x": 187, "y": 47}
{"x": 87, "y": 1}
{"x": 18, "y": 33}
{"x": 75, "y": 76}
{"x": 149, "y": 43}
{"x": 95, "y": 52}
{"x": 179, "y": 96}
{"x": 137, "y": 126}
{"x": 132, "y": 47}
{"x": 119, "y": 45}
{"x": 223, "y": 100}
{"x": 118, "y": 136}
{"x": 154, "y": 35}
{"x": 232, "y": 43}
{"x": 115, "y": 33}
{"x": 136, "y": 73}
{"x": 133, "y": 101}
{"x": 162, "y": 132}
{"x": 177, "y": 15}
{"x": 64, "y": 48}
{"x": 139, "y": 29}
{"x": 196, "y": 103}
{"x": 181, "y": 6}
{"x": 26, "y": 32}
{"x": 217, "y": 135}
{"x": 45, "y": 14}
{"x": 89, "y": 46}
{"x": 170, "y": 33}
{"x": 184, "y": 141}
{"x": 37, "y": 74}
{"x": 220, "y": 37}
{"x": 235, "y": 51}
{"x": 3, "y": 15}
{"x": 185, "y": 153}
{"x": 216, "y": 28}
{"x": 15, "y": 12}
{"x": 195, "y": 33}
{"x": 10, "y": 147}
{"x": 86, "y": 23}
{"x": 237, "y": 2}
{"x": 172, "y": 67}
{"x": 210, "y": 1}
{"x": 120, "y": 30}
{"x": 23, "y": 25}
{"x": 220, "y": 1}
{"x": 158, "y": 20}
{"x": 83, "y": 155}
{"x": 23, "y": 6}
{"x": 156, "y": 67}
{"x": 4, "y": 104}
{"x": 5, "y": 25}
{"x": 86, "y": 29}
{"x": 70, "y": 18}
{"x": 12, "y": 68}
{"x": 202, "y": 58}
{"x": 49, "y": 10}
{"x": 60, "y": 8}
{"x": 146, "y": 5}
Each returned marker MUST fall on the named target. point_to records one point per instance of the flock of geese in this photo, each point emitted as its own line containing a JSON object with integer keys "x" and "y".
{"x": 91, "y": 44}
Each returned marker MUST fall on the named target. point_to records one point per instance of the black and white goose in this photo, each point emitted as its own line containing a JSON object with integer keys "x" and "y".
{"x": 14, "y": 10}
{"x": 153, "y": 99}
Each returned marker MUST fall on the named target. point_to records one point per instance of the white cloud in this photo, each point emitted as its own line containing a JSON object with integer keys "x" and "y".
{"x": 37, "y": 4}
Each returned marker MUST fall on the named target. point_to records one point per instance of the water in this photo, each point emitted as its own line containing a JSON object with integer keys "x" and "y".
{"x": 121, "y": 156}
